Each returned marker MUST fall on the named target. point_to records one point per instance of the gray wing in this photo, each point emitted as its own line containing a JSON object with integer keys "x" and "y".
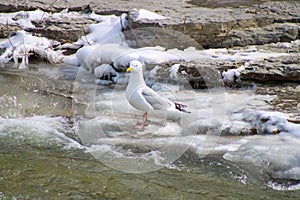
{"x": 155, "y": 100}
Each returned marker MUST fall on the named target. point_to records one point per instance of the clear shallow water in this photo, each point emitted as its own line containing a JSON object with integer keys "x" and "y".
{"x": 43, "y": 156}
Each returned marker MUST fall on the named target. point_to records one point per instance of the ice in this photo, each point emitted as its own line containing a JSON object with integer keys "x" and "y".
{"x": 82, "y": 53}
{"x": 273, "y": 148}
{"x": 22, "y": 37}
{"x": 23, "y": 18}
{"x": 107, "y": 30}
{"x": 71, "y": 60}
{"x": 105, "y": 70}
{"x": 103, "y": 32}
{"x": 39, "y": 130}
{"x": 278, "y": 186}
{"x": 276, "y": 155}
{"x": 275, "y": 152}
{"x": 233, "y": 75}
{"x": 153, "y": 72}
{"x": 173, "y": 71}
{"x": 263, "y": 122}
{"x": 148, "y": 15}
{"x": 238, "y": 125}
{"x": 120, "y": 55}
{"x": 22, "y": 45}
{"x": 238, "y": 55}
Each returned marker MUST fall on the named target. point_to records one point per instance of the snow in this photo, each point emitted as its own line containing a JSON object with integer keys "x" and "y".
{"x": 233, "y": 75}
{"x": 173, "y": 71}
{"x": 148, "y": 15}
{"x": 153, "y": 72}
{"x": 71, "y": 60}
{"x": 107, "y": 31}
{"x": 105, "y": 70}
{"x": 22, "y": 45}
{"x": 22, "y": 37}
{"x": 247, "y": 54}
{"x": 23, "y": 18}
{"x": 120, "y": 55}
{"x": 107, "y": 45}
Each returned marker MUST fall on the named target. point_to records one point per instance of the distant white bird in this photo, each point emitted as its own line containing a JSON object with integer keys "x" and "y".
{"x": 143, "y": 98}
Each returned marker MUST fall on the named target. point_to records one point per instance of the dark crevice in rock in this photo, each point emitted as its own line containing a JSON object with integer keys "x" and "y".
{"x": 224, "y": 3}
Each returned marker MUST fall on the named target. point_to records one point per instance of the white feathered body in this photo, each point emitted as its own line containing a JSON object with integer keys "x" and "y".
{"x": 143, "y": 98}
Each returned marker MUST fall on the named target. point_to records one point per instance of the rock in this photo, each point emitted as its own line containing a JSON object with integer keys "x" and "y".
{"x": 285, "y": 68}
{"x": 219, "y": 27}
{"x": 226, "y": 25}
{"x": 157, "y": 36}
{"x": 217, "y": 4}
{"x": 11, "y": 6}
{"x": 274, "y": 70}
{"x": 5, "y": 30}
{"x": 196, "y": 75}
{"x": 46, "y": 5}
{"x": 273, "y": 33}
{"x": 64, "y": 31}
{"x": 297, "y": 90}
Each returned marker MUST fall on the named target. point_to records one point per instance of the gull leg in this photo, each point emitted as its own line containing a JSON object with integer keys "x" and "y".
{"x": 144, "y": 122}
{"x": 145, "y": 119}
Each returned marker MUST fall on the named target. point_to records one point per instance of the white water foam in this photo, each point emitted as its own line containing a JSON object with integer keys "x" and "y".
{"x": 39, "y": 130}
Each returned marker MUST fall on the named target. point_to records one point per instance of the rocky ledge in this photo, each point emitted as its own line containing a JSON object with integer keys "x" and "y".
{"x": 270, "y": 26}
{"x": 219, "y": 24}
{"x": 226, "y": 27}
{"x": 224, "y": 23}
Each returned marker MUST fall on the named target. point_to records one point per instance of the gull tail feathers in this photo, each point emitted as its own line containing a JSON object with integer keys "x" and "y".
{"x": 181, "y": 107}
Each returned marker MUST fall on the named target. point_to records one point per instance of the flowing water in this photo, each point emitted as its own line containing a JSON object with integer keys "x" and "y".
{"x": 59, "y": 144}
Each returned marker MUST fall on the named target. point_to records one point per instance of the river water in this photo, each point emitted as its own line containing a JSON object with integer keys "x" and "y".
{"x": 67, "y": 139}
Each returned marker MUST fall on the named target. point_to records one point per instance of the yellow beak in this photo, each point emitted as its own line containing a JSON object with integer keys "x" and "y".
{"x": 129, "y": 69}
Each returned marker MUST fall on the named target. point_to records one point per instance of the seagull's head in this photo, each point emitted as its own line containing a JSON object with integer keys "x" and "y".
{"x": 135, "y": 66}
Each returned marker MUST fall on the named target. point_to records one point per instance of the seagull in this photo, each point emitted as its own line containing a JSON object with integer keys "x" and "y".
{"x": 143, "y": 98}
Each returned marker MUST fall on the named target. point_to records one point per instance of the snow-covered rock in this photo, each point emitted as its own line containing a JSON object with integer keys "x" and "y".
{"x": 22, "y": 45}
{"x": 143, "y": 14}
{"x": 105, "y": 71}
